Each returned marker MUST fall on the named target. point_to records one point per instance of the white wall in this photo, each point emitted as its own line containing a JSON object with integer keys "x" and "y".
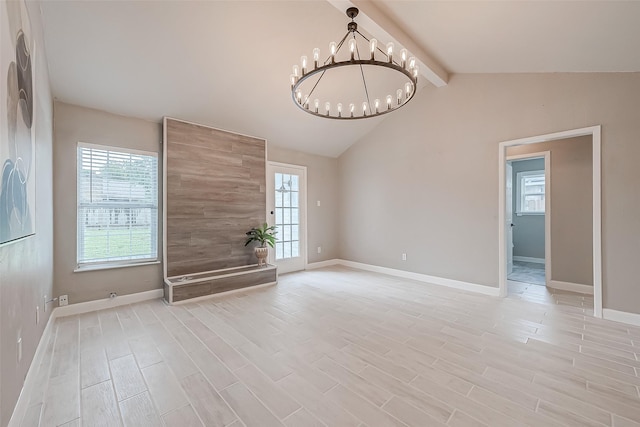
{"x": 402, "y": 189}
{"x": 26, "y": 266}
{"x": 75, "y": 124}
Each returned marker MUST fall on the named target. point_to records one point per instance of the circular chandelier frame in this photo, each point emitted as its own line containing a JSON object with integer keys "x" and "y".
{"x": 407, "y": 67}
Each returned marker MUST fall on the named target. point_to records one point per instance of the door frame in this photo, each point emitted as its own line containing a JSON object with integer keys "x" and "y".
{"x": 595, "y": 133}
{"x": 303, "y": 208}
{"x": 546, "y": 155}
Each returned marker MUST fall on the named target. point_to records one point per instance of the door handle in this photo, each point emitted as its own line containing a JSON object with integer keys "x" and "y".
{"x": 271, "y": 212}
{"x": 513, "y": 225}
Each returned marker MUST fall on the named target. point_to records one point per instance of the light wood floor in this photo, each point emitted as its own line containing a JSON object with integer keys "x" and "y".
{"x": 341, "y": 347}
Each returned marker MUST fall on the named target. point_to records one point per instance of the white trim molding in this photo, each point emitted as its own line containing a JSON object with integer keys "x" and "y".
{"x": 571, "y": 287}
{"x": 322, "y": 264}
{"x": 22, "y": 405}
{"x": 441, "y": 281}
{"x": 101, "y": 304}
{"x": 528, "y": 259}
{"x": 621, "y": 316}
{"x": 595, "y": 133}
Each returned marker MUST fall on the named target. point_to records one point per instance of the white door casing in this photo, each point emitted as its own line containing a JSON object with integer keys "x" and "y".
{"x": 286, "y": 209}
{"x": 509, "y": 216}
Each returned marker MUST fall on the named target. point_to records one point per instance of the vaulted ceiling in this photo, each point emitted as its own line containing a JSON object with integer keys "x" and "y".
{"x": 227, "y": 63}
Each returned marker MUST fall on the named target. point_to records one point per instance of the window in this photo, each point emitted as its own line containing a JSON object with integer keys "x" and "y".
{"x": 287, "y": 215}
{"x": 117, "y": 205}
{"x": 531, "y": 192}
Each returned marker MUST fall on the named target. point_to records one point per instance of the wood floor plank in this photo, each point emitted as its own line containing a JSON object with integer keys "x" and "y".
{"x": 212, "y": 410}
{"x": 138, "y": 411}
{"x": 99, "y": 406}
{"x": 249, "y": 409}
{"x": 342, "y": 347}
{"x": 126, "y": 377}
{"x": 267, "y": 391}
{"x": 164, "y": 388}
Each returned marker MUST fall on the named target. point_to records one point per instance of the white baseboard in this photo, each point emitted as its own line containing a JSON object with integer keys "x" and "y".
{"x": 22, "y": 405}
{"x": 621, "y": 316}
{"x": 101, "y": 304}
{"x": 528, "y": 259}
{"x": 322, "y": 264}
{"x": 450, "y": 283}
{"x": 571, "y": 287}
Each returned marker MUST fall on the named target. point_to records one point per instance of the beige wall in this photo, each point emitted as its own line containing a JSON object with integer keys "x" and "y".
{"x": 75, "y": 124}
{"x": 425, "y": 181}
{"x": 322, "y": 185}
{"x": 571, "y": 207}
{"x": 26, "y": 266}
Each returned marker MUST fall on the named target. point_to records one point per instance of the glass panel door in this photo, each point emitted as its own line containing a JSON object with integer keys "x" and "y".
{"x": 286, "y": 212}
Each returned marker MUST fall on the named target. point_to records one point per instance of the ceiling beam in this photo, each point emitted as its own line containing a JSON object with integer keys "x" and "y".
{"x": 382, "y": 27}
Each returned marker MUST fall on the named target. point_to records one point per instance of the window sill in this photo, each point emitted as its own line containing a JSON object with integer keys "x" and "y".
{"x": 529, "y": 213}
{"x": 96, "y": 267}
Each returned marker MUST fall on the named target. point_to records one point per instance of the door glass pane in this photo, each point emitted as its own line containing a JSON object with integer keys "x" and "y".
{"x": 287, "y": 202}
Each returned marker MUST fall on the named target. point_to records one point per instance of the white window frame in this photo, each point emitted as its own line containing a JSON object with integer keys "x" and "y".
{"x": 106, "y": 264}
{"x": 520, "y": 195}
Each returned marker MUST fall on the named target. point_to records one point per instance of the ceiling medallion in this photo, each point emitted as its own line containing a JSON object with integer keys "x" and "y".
{"x": 307, "y": 78}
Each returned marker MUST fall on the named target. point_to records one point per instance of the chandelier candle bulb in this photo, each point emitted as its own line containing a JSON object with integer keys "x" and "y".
{"x": 327, "y": 106}
{"x": 303, "y": 62}
{"x": 399, "y": 96}
{"x": 352, "y": 48}
{"x": 412, "y": 62}
{"x": 373, "y": 45}
{"x": 403, "y": 57}
{"x": 389, "y": 100}
{"x": 299, "y": 97}
{"x": 352, "y": 108}
{"x": 415, "y": 72}
{"x": 316, "y": 104}
{"x": 296, "y": 71}
{"x": 407, "y": 89}
{"x": 365, "y": 106}
{"x": 292, "y": 78}
{"x": 339, "y": 109}
{"x": 390, "y": 51}
{"x": 376, "y": 103}
{"x": 332, "y": 50}
{"x": 316, "y": 57}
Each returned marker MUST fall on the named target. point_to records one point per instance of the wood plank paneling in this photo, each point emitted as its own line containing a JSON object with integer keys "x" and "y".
{"x": 216, "y": 191}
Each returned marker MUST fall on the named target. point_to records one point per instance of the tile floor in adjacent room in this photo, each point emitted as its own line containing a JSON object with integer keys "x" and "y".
{"x": 528, "y": 272}
{"x": 341, "y": 347}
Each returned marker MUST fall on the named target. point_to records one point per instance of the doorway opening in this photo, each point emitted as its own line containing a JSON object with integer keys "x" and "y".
{"x": 567, "y": 247}
{"x": 528, "y": 205}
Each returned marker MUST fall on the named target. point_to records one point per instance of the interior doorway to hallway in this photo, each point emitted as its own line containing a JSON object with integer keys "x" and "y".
{"x": 577, "y": 263}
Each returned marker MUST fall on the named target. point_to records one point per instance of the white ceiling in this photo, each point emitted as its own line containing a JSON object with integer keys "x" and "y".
{"x": 227, "y": 63}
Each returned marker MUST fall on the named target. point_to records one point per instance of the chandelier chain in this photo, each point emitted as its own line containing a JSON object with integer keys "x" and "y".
{"x": 364, "y": 81}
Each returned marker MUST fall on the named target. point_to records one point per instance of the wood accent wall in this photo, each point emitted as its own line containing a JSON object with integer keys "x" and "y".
{"x": 215, "y": 193}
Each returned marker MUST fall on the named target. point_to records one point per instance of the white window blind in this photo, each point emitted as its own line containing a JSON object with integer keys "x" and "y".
{"x": 117, "y": 205}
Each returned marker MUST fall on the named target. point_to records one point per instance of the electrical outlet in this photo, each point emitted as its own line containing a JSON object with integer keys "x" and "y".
{"x": 19, "y": 349}
{"x": 404, "y": 257}
{"x": 319, "y": 249}
{"x": 318, "y": 203}
{"x": 63, "y": 300}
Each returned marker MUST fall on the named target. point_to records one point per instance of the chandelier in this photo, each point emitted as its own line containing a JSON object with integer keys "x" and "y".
{"x": 357, "y": 86}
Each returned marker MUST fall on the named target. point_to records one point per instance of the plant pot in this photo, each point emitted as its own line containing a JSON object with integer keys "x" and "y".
{"x": 262, "y": 253}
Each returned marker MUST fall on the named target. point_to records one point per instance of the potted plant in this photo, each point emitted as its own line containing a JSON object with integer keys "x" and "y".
{"x": 264, "y": 235}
